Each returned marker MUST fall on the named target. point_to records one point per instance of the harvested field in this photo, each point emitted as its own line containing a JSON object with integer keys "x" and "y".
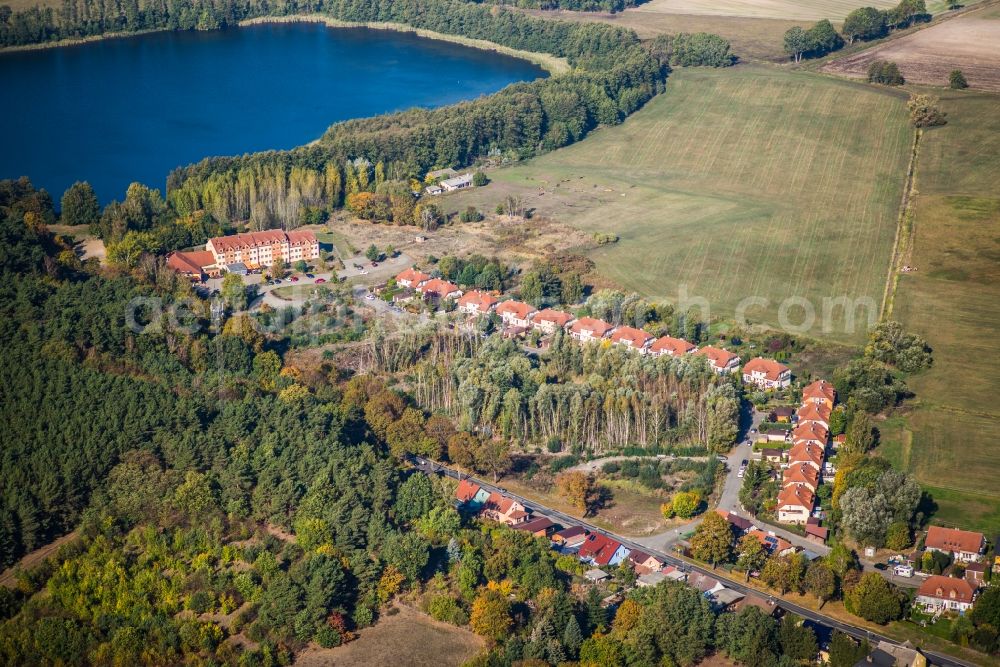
{"x": 813, "y": 10}
{"x": 970, "y": 43}
{"x": 406, "y": 638}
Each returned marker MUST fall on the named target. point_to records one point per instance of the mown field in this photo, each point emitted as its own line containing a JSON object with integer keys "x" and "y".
{"x": 951, "y": 439}
{"x": 813, "y": 10}
{"x": 746, "y": 182}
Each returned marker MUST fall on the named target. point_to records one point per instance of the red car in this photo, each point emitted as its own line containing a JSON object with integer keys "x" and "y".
{"x": 320, "y": 280}
{"x": 294, "y": 279}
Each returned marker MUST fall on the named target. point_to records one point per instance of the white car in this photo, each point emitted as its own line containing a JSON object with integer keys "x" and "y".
{"x": 741, "y": 473}
{"x": 370, "y": 297}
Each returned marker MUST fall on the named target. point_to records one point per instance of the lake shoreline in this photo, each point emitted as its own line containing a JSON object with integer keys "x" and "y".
{"x": 552, "y": 64}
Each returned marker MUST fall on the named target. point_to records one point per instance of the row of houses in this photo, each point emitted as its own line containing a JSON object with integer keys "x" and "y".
{"x": 601, "y": 551}
{"x": 519, "y": 318}
{"x": 802, "y": 472}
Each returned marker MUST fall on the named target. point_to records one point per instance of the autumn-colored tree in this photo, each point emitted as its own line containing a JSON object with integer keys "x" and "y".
{"x": 383, "y": 408}
{"x": 490, "y": 617}
{"x": 820, "y": 582}
{"x": 777, "y": 574}
{"x": 389, "y": 584}
{"x": 579, "y": 488}
{"x": 684, "y": 504}
{"x": 752, "y": 555}
{"x": 627, "y": 617}
{"x": 462, "y": 448}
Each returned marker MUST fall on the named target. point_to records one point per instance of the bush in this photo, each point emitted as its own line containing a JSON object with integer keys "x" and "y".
{"x": 327, "y": 637}
{"x": 479, "y": 179}
{"x": 957, "y": 80}
{"x": 924, "y": 111}
{"x": 471, "y": 214}
{"x": 563, "y": 462}
{"x": 601, "y": 238}
{"x": 886, "y": 73}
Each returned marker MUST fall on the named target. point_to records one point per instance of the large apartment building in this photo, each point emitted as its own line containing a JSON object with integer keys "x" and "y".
{"x": 258, "y": 249}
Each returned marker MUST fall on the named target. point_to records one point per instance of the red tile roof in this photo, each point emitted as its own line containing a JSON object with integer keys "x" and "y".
{"x": 946, "y": 588}
{"x": 814, "y": 412}
{"x": 466, "y": 491}
{"x": 412, "y": 276}
{"x": 796, "y": 496}
{"x": 800, "y": 473}
{"x": 258, "y": 239}
{"x": 952, "y": 539}
{"x": 190, "y": 262}
{"x": 810, "y": 431}
{"x": 635, "y": 337}
{"x": 720, "y": 358}
{"x": 772, "y": 543}
{"x": 819, "y": 389}
{"x": 600, "y": 548}
{"x": 771, "y": 369}
{"x": 675, "y": 347}
{"x": 483, "y": 301}
{"x": 518, "y": 309}
{"x": 438, "y": 286}
{"x": 556, "y": 317}
{"x": 535, "y": 525}
{"x": 806, "y": 451}
{"x": 597, "y": 328}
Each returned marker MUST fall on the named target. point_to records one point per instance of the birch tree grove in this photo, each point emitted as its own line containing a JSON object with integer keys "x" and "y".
{"x": 589, "y": 397}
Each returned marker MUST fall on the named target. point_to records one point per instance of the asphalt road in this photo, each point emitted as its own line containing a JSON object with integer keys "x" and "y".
{"x": 430, "y": 467}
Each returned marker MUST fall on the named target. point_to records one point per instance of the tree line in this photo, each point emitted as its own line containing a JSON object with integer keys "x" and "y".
{"x": 864, "y": 23}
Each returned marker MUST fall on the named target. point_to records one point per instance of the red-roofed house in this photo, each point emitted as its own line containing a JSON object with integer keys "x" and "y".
{"x": 602, "y": 550}
{"x": 739, "y": 524}
{"x": 939, "y": 593}
{"x": 721, "y": 361}
{"x": 815, "y": 532}
{"x": 813, "y": 413}
{"x": 774, "y": 544}
{"x": 506, "y": 510}
{"x": 438, "y": 289}
{"x": 631, "y": 338}
{"x": 819, "y": 392}
{"x": 549, "y": 320}
{"x": 516, "y": 313}
{"x": 587, "y": 329}
{"x": 801, "y": 473}
{"x": 963, "y": 545}
{"x": 810, "y": 432}
{"x": 643, "y": 563}
{"x": 469, "y": 493}
{"x": 795, "y": 503}
{"x": 806, "y": 452}
{"x": 674, "y": 347}
{"x": 767, "y": 373}
{"x": 540, "y": 527}
{"x": 411, "y": 278}
{"x": 194, "y": 265}
{"x": 476, "y": 302}
{"x": 570, "y": 537}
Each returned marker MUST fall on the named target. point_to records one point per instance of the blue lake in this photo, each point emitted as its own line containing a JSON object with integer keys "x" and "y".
{"x": 123, "y": 110}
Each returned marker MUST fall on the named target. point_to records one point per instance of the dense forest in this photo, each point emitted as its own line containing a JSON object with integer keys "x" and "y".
{"x": 230, "y": 508}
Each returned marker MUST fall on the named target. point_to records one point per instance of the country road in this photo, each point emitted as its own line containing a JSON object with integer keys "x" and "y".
{"x": 430, "y": 468}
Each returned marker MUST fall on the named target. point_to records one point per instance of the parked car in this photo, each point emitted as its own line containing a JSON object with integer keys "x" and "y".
{"x": 277, "y": 281}
{"x": 309, "y": 275}
{"x": 320, "y": 281}
{"x": 294, "y": 279}
{"x": 270, "y": 282}
{"x": 374, "y": 264}
{"x": 370, "y": 296}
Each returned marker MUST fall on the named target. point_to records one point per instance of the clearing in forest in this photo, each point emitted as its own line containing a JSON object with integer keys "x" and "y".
{"x": 735, "y": 183}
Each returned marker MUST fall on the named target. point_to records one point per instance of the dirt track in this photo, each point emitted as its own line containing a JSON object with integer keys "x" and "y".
{"x": 968, "y": 43}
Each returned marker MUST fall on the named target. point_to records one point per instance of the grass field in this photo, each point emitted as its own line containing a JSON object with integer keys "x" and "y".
{"x": 744, "y": 182}
{"x": 951, "y": 438}
{"x": 812, "y": 10}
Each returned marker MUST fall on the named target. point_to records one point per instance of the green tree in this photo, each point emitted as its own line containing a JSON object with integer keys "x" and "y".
{"x": 820, "y": 581}
{"x": 479, "y": 179}
{"x": 372, "y": 253}
{"x": 886, "y": 73}
{"x": 748, "y": 637}
{"x": 79, "y": 206}
{"x": 845, "y": 652}
{"x": 796, "y": 43}
{"x": 751, "y": 555}
{"x": 798, "y": 641}
{"x": 956, "y": 80}
{"x": 713, "y": 540}
{"x": 823, "y": 38}
{"x": 864, "y": 23}
{"x": 415, "y": 497}
{"x": 874, "y": 599}
{"x": 234, "y": 292}
{"x": 898, "y": 536}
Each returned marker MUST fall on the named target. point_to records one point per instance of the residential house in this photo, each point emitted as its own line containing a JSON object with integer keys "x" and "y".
{"x": 774, "y": 455}
{"x": 539, "y": 527}
{"x": 752, "y": 599}
{"x": 436, "y": 289}
{"x": 570, "y": 537}
{"x": 819, "y": 392}
{"x": 434, "y": 190}
{"x": 588, "y": 329}
{"x": 456, "y": 182}
{"x": 476, "y": 302}
{"x": 438, "y": 174}
{"x": 631, "y": 338}
{"x": 516, "y": 313}
{"x": 739, "y": 525}
{"x": 940, "y": 593}
{"x": 810, "y": 432}
{"x": 704, "y": 583}
{"x": 885, "y": 654}
{"x": 649, "y": 579}
{"x": 965, "y": 546}
{"x": 782, "y": 414}
{"x": 795, "y": 503}
{"x": 470, "y": 493}
{"x": 412, "y": 278}
{"x": 196, "y": 265}
{"x": 595, "y": 576}
{"x": 767, "y": 373}
{"x": 775, "y": 545}
{"x": 773, "y": 435}
{"x": 725, "y": 599}
{"x": 839, "y": 440}
{"x": 549, "y": 321}
{"x": 975, "y": 574}
{"x": 811, "y": 413}
{"x": 504, "y": 510}
{"x": 257, "y": 249}
{"x": 721, "y": 361}
{"x": 643, "y": 563}
{"x": 602, "y": 550}
{"x": 673, "y": 347}
{"x": 801, "y": 473}
{"x": 806, "y": 452}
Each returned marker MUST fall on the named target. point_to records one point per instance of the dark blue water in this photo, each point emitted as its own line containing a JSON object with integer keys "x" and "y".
{"x": 125, "y": 110}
